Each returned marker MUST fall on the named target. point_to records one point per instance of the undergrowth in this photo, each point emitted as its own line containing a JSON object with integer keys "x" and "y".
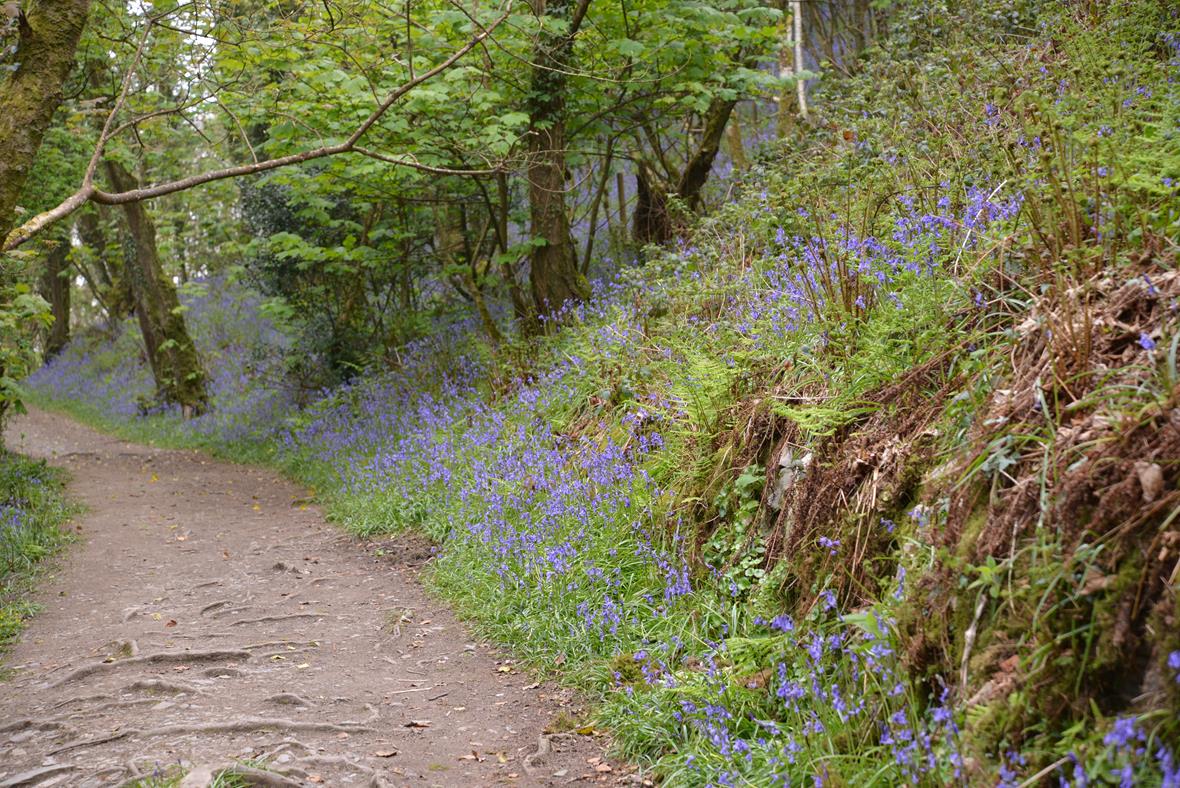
{"x": 33, "y": 511}
{"x": 871, "y": 480}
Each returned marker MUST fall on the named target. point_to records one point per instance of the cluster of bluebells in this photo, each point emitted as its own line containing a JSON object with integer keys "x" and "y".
{"x": 23, "y": 519}
{"x": 839, "y": 268}
{"x": 832, "y": 677}
{"x": 243, "y": 352}
{"x": 554, "y": 517}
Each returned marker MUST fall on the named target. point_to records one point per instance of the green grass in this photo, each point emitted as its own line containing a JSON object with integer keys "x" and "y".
{"x": 33, "y": 513}
{"x": 161, "y": 431}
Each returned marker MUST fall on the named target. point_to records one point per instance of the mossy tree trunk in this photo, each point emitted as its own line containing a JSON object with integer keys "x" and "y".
{"x": 48, "y": 37}
{"x": 553, "y": 275}
{"x": 55, "y": 288}
{"x": 176, "y": 367}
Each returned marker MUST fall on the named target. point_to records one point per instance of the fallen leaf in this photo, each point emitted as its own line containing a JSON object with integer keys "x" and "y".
{"x": 385, "y": 753}
{"x": 534, "y": 685}
{"x": 314, "y": 778}
{"x": 501, "y": 757}
{"x": 504, "y": 669}
{"x": 171, "y": 622}
{"x": 603, "y": 767}
{"x": 303, "y": 665}
{"x": 417, "y": 724}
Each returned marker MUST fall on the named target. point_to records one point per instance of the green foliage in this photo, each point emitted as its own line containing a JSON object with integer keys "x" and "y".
{"x": 33, "y": 510}
{"x": 23, "y": 314}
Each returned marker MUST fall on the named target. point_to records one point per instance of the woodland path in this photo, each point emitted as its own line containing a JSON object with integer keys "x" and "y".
{"x": 208, "y": 615}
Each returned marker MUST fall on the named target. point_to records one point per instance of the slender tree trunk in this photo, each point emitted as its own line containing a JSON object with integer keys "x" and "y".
{"x": 599, "y": 194}
{"x": 801, "y": 88}
{"x": 733, "y": 141}
{"x": 696, "y": 174}
{"x": 451, "y": 241}
{"x": 785, "y": 116}
{"x": 177, "y": 369}
{"x": 521, "y": 308}
{"x": 553, "y": 275}
{"x": 621, "y": 188}
{"x": 55, "y": 288}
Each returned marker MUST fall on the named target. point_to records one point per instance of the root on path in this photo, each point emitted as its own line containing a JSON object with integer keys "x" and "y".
{"x": 239, "y": 725}
{"x": 163, "y": 658}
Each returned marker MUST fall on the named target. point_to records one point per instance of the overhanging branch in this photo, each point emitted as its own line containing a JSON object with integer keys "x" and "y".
{"x": 87, "y": 192}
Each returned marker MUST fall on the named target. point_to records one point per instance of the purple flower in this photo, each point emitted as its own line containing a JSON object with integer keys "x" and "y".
{"x": 1145, "y": 341}
{"x": 782, "y": 623}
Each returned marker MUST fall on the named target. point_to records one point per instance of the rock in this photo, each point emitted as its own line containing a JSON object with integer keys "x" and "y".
{"x": 791, "y": 470}
{"x": 199, "y": 777}
{"x": 1151, "y": 479}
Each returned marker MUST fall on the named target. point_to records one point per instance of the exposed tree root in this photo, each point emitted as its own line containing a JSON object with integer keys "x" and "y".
{"x": 78, "y": 744}
{"x": 271, "y": 643}
{"x": 21, "y": 725}
{"x": 288, "y": 699}
{"x": 179, "y": 657}
{"x": 273, "y": 619}
{"x": 83, "y": 699}
{"x": 209, "y": 608}
{"x": 239, "y": 725}
{"x": 159, "y": 685}
{"x": 35, "y": 775}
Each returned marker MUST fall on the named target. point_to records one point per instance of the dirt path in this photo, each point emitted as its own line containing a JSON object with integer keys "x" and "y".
{"x": 208, "y": 616}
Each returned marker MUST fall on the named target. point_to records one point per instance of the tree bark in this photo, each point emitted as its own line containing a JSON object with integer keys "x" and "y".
{"x": 55, "y": 288}
{"x": 654, "y": 222}
{"x": 733, "y": 141}
{"x": 49, "y": 34}
{"x": 176, "y": 367}
{"x": 553, "y": 275}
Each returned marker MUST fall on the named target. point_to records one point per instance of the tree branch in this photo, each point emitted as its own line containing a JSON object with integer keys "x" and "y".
{"x": 88, "y": 192}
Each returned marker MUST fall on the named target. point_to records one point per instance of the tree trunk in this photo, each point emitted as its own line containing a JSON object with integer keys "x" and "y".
{"x": 553, "y": 274}
{"x": 737, "y": 149}
{"x": 696, "y": 174}
{"x": 107, "y": 281}
{"x": 49, "y": 34}
{"x": 55, "y": 288}
{"x": 654, "y": 222}
{"x": 177, "y": 369}
{"x": 451, "y": 241}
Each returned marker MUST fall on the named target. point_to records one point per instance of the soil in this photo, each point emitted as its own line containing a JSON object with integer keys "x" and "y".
{"x": 209, "y": 618}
